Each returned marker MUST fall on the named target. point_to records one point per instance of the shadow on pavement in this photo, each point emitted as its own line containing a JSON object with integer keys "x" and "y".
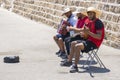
{"x": 81, "y": 62}
{"x": 94, "y": 69}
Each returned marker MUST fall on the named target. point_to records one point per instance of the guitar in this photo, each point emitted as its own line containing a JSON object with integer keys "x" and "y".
{"x": 84, "y": 35}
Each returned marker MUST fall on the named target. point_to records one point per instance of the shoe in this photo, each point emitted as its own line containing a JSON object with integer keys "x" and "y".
{"x": 64, "y": 56}
{"x": 74, "y": 68}
{"x": 66, "y": 63}
{"x": 64, "y": 60}
{"x": 61, "y": 54}
{"x": 57, "y": 53}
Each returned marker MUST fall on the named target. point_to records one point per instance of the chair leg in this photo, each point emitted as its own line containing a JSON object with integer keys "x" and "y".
{"x": 90, "y": 58}
{"x": 92, "y": 55}
{"x": 99, "y": 61}
{"x": 85, "y": 63}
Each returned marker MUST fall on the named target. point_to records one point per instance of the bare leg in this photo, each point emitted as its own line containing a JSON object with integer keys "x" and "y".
{"x": 78, "y": 48}
{"x": 72, "y": 50}
{"x": 61, "y": 44}
{"x": 56, "y": 40}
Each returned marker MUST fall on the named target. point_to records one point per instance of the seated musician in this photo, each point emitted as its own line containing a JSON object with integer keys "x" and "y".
{"x": 80, "y": 14}
{"x": 95, "y": 29}
{"x": 59, "y": 38}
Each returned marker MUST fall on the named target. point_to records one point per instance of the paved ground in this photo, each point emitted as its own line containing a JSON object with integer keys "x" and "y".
{"x": 34, "y": 44}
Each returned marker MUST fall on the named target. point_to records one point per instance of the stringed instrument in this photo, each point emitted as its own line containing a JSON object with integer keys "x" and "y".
{"x": 84, "y": 35}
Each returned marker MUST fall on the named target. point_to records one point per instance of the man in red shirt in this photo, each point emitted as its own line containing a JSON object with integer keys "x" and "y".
{"x": 95, "y": 29}
{"x": 80, "y": 23}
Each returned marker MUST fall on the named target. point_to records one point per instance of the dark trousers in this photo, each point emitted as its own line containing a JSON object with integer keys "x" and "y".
{"x": 68, "y": 40}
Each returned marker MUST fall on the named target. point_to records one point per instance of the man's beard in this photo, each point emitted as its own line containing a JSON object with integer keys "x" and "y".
{"x": 79, "y": 17}
{"x": 93, "y": 18}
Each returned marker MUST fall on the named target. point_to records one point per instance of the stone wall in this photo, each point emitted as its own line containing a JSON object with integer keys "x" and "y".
{"x": 8, "y": 4}
{"x": 49, "y": 12}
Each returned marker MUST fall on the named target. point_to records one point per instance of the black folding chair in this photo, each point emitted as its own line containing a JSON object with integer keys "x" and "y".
{"x": 93, "y": 56}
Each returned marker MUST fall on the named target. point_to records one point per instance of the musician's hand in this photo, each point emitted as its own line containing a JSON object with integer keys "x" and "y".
{"x": 67, "y": 23}
{"x": 69, "y": 28}
{"x": 63, "y": 26}
{"x": 86, "y": 29}
{"x": 82, "y": 34}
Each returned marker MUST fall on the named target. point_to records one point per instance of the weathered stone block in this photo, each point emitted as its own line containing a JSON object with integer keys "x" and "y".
{"x": 117, "y": 9}
{"x": 72, "y": 3}
{"x": 106, "y": 7}
{"x": 116, "y": 28}
{"x": 115, "y": 45}
{"x": 87, "y": 4}
{"x": 104, "y": 0}
{"x": 108, "y": 26}
{"x": 57, "y": 13}
{"x": 115, "y": 18}
{"x": 118, "y": 19}
{"x": 98, "y": 0}
{"x": 77, "y": 3}
{"x": 100, "y": 6}
{"x": 111, "y": 1}
{"x": 103, "y": 15}
{"x": 112, "y": 8}
{"x": 58, "y": 7}
{"x": 105, "y": 23}
{"x": 118, "y": 1}
{"x": 82, "y": 4}
{"x": 113, "y": 37}
{"x": 107, "y": 42}
{"x": 109, "y": 17}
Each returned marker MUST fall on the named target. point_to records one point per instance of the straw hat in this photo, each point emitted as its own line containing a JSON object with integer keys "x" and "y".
{"x": 98, "y": 12}
{"x": 66, "y": 10}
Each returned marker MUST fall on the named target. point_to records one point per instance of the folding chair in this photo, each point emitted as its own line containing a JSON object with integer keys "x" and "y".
{"x": 92, "y": 56}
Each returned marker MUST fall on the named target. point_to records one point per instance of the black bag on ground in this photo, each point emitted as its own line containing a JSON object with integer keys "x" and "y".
{"x": 11, "y": 59}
